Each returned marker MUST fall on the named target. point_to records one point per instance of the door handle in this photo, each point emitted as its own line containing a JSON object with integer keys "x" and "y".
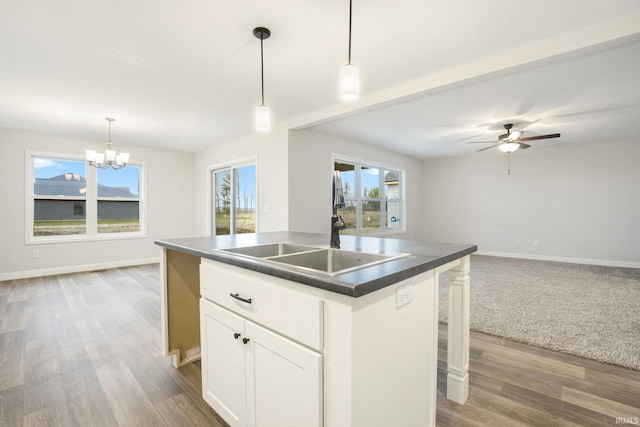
{"x": 236, "y": 335}
{"x": 245, "y": 340}
{"x": 239, "y": 298}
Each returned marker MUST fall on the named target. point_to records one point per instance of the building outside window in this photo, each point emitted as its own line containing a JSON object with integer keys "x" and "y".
{"x": 233, "y": 209}
{"x": 368, "y": 209}
{"x": 68, "y": 200}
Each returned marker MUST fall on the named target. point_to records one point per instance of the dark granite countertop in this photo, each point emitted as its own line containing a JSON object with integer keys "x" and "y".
{"x": 423, "y": 256}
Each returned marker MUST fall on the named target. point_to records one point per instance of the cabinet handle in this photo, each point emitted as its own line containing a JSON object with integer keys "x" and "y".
{"x": 239, "y": 298}
{"x": 236, "y": 335}
{"x": 245, "y": 340}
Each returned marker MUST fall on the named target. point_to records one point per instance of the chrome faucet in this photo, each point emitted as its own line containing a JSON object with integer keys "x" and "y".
{"x": 337, "y": 222}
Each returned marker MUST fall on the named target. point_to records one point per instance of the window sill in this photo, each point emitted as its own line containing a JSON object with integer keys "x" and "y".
{"x": 376, "y": 233}
{"x": 84, "y": 238}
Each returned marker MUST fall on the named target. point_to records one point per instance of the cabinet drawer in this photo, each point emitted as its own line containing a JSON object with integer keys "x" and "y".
{"x": 267, "y": 300}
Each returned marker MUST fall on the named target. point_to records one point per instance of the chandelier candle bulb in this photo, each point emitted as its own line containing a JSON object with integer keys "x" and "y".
{"x": 122, "y": 158}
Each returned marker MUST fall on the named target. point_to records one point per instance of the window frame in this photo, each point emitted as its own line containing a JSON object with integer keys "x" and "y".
{"x": 382, "y": 199}
{"x": 91, "y": 202}
{"x": 231, "y": 167}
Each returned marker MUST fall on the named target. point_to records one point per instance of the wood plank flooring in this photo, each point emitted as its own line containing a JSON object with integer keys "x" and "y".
{"x": 84, "y": 350}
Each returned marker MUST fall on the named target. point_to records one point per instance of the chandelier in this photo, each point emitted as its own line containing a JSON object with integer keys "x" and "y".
{"x": 110, "y": 159}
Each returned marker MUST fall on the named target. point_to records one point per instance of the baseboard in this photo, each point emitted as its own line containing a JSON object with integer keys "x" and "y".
{"x": 587, "y": 261}
{"x": 76, "y": 268}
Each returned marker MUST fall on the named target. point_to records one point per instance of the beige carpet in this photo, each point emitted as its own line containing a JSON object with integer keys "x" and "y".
{"x": 589, "y": 311}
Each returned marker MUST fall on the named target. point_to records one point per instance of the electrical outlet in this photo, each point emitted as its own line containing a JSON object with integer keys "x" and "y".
{"x": 519, "y": 242}
{"x": 536, "y": 243}
{"x": 36, "y": 253}
{"x": 267, "y": 208}
{"x": 403, "y": 295}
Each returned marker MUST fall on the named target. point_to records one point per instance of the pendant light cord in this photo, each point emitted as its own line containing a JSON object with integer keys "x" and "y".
{"x": 350, "y": 8}
{"x": 262, "y": 69}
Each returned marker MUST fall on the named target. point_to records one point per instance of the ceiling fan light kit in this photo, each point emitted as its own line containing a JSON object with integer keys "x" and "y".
{"x": 509, "y": 147}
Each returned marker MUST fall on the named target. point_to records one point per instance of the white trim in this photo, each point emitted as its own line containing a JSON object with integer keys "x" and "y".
{"x": 587, "y": 261}
{"x": 76, "y": 268}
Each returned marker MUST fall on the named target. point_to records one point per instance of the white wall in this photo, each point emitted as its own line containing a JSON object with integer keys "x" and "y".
{"x": 270, "y": 149}
{"x": 169, "y": 186}
{"x": 310, "y": 175}
{"x": 581, "y": 202}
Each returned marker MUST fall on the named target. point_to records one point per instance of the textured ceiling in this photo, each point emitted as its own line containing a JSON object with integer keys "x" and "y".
{"x": 185, "y": 75}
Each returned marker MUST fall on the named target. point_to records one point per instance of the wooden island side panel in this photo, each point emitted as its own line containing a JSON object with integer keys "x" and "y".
{"x": 181, "y": 309}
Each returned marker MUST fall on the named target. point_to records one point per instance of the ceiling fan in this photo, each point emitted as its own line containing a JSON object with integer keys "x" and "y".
{"x": 511, "y": 141}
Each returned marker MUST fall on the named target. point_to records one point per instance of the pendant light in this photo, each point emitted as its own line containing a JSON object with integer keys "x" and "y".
{"x": 349, "y": 74}
{"x": 263, "y": 119}
{"x": 110, "y": 159}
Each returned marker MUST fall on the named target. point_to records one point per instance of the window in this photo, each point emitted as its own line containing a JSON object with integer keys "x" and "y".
{"x": 368, "y": 209}
{"x": 233, "y": 200}
{"x": 68, "y": 200}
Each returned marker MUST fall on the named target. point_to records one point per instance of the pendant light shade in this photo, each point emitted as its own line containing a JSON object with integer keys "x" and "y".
{"x": 349, "y": 74}
{"x": 349, "y": 83}
{"x": 263, "y": 118}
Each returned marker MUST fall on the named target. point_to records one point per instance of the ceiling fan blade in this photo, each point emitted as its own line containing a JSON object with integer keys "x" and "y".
{"x": 481, "y": 142}
{"x": 523, "y": 145}
{"x": 486, "y": 148}
{"x": 533, "y": 138}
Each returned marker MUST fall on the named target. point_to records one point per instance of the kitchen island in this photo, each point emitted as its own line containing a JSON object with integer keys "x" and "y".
{"x": 355, "y": 346}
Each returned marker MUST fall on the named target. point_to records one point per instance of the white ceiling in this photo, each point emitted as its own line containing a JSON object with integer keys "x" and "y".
{"x": 186, "y": 74}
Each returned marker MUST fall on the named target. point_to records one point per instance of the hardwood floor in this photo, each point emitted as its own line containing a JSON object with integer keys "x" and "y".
{"x": 84, "y": 349}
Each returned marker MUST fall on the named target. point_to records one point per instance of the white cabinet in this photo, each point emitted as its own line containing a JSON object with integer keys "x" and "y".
{"x": 252, "y": 376}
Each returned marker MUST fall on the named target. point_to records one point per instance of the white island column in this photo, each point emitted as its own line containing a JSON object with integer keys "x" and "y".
{"x": 458, "y": 337}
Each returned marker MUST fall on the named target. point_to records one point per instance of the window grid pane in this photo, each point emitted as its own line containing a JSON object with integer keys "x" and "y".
{"x": 118, "y": 216}
{"x": 369, "y": 178}
{"x": 222, "y": 203}
{"x": 122, "y": 184}
{"x": 244, "y": 189}
{"x": 59, "y": 217}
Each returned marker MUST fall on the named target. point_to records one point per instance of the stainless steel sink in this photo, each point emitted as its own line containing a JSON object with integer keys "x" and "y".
{"x": 311, "y": 258}
{"x": 332, "y": 260}
{"x": 270, "y": 250}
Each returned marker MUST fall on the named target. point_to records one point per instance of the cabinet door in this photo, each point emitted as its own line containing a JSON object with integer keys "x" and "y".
{"x": 223, "y": 362}
{"x": 284, "y": 381}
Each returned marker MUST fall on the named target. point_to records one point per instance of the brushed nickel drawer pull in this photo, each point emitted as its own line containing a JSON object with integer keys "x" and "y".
{"x": 239, "y": 298}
